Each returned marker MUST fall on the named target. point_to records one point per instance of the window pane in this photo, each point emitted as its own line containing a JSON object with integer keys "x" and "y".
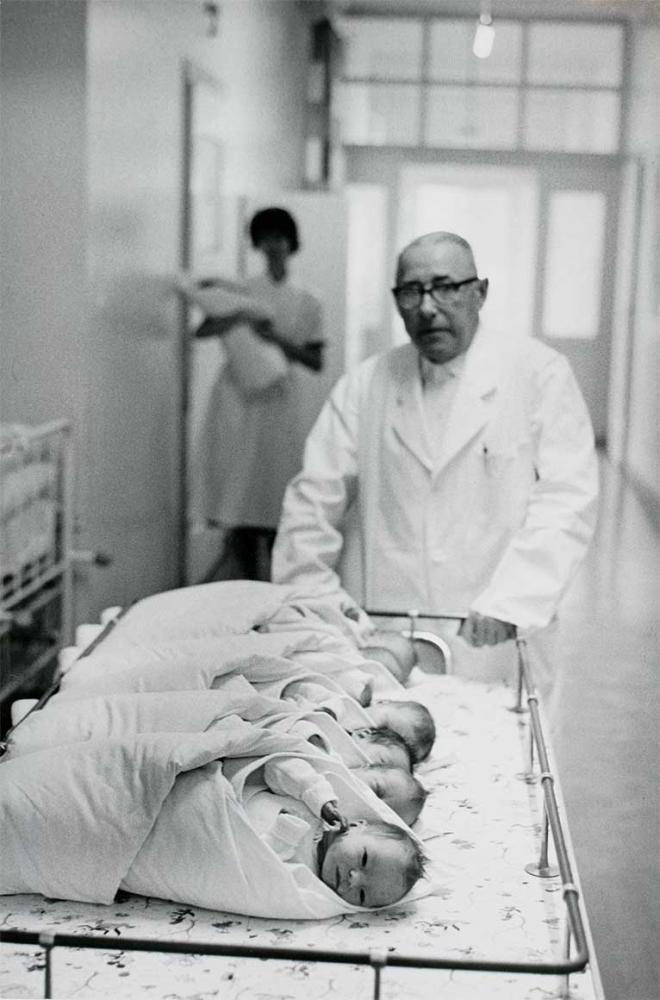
{"x": 575, "y": 53}
{"x": 472, "y": 117}
{"x": 451, "y": 56}
{"x": 571, "y": 300}
{"x": 382, "y": 48}
{"x": 574, "y": 121}
{"x": 495, "y": 208}
{"x": 379, "y": 115}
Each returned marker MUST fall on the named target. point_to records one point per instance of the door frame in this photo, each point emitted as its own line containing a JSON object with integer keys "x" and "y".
{"x": 195, "y": 82}
{"x": 563, "y": 171}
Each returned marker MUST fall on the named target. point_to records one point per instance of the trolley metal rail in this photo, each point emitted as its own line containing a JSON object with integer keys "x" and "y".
{"x": 576, "y": 951}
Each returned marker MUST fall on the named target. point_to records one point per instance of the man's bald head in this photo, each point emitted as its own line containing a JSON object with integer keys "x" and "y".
{"x": 437, "y": 238}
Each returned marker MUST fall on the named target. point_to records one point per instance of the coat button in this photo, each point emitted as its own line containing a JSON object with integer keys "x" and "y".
{"x": 437, "y": 556}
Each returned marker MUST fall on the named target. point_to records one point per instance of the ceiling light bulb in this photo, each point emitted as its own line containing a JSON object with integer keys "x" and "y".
{"x": 484, "y": 37}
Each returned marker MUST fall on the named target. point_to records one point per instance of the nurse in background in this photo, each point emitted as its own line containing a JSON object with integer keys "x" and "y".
{"x": 467, "y": 459}
{"x": 256, "y": 428}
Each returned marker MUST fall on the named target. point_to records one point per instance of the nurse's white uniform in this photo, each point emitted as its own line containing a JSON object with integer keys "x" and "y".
{"x": 255, "y": 433}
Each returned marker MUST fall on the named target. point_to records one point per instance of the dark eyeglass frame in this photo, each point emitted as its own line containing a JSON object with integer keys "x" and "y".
{"x": 447, "y": 290}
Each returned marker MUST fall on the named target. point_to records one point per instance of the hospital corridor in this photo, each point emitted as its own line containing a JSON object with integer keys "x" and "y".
{"x": 330, "y": 499}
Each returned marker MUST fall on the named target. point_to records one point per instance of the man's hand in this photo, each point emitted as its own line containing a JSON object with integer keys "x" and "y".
{"x": 480, "y": 630}
{"x": 330, "y": 814}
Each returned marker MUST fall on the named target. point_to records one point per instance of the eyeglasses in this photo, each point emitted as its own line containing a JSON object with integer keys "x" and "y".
{"x": 412, "y": 295}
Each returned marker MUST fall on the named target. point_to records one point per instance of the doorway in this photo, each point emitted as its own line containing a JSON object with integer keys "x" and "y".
{"x": 543, "y": 229}
{"x": 320, "y": 268}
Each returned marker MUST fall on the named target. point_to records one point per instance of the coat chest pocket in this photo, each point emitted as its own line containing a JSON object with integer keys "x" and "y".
{"x": 499, "y": 457}
{"x": 509, "y": 474}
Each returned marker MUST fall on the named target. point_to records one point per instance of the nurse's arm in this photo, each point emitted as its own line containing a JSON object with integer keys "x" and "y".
{"x": 309, "y": 355}
{"x": 308, "y": 352}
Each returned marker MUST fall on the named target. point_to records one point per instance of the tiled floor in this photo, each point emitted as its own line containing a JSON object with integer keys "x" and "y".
{"x": 608, "y": 747}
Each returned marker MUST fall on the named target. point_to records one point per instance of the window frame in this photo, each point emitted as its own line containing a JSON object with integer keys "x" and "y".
{"x": 524, "y": 87}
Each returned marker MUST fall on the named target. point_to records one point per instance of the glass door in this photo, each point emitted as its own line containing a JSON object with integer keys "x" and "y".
{"x": 543, "y": 229}
{"x": 576, "y": 277}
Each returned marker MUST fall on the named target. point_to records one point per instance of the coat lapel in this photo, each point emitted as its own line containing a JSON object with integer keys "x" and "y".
{"x": 407, "y": 414}
{"x": 474, "y": 400}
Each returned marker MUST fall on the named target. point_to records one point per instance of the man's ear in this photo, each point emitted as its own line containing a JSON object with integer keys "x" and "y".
{"x": 483, "y": 289}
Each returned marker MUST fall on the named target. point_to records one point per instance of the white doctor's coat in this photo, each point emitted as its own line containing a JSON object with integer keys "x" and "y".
{"x": 498, "y": 524}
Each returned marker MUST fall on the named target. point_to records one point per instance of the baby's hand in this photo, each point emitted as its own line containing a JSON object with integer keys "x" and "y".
{"x": 330, "y": 814}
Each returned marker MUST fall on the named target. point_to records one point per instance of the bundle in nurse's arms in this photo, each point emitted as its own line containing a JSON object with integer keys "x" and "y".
{"x": 225, "y": 301}
{"x": 244, "y": 320}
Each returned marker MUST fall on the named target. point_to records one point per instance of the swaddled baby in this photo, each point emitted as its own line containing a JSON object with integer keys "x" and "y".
{"x": 402, "y": 732}
{"x": 388, "y": 773}
{"x": 393, "y": 650}
{"x": 402, "y": 791}
{"x": 295, "y": 809}
{"x": 411, "y": 720}
{"x": 390, "y": 758}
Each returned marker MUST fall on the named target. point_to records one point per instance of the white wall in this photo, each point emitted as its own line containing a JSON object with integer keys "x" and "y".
{"x": 643, "y": 441}
{"x": 92, "y": 130}
{"x": 42, "y": 208}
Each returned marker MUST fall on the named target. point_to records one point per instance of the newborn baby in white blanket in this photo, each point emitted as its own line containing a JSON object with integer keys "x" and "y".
{"x": 296, "y": 811}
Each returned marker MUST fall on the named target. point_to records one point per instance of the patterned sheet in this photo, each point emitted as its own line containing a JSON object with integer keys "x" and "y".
{"x": 481, "y": 822}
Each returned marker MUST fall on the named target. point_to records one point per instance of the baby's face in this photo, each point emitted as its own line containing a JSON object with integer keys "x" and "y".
{"x": 381, "y": 753}
{"x": 393, "y": 786}
{"x": 365, "y": 868}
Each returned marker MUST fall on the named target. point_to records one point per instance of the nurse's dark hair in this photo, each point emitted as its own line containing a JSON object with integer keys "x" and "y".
{"x": 416, "y": 860}
{"x": 274, "y": 222}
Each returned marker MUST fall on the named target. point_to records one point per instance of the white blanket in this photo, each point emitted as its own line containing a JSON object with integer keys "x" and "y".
{"x": 183, "y": 665}
{"x": 155, "y": 814}
{"x": 121, "y": 716}
{"x": 203, "y": 850}
{"x": 119, "y": 779}
{"x": 229, "y": 607}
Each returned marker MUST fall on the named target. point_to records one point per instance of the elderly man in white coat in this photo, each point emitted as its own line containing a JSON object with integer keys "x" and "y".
{"x": 464, "y": 460}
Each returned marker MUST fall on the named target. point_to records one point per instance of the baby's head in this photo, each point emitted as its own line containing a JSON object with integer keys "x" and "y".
{"x": 383, "y": 746}
{"x": 411, "y": 720}
{"x": 397, "y": 787}
{"x": 370, "y": 864}
{"x": 394, "y": 650}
